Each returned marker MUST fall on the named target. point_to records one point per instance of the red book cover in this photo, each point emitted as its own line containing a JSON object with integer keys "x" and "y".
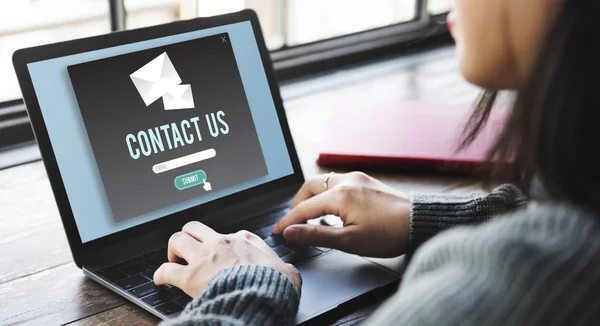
{"x": 409, "y": 136}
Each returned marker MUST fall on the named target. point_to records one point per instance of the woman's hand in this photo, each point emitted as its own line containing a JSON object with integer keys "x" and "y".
{"x": 207, "y": 252}
{"x": 376, "y": 218}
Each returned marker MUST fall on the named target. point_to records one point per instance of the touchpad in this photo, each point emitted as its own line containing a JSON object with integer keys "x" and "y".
{"x": 337, "y": 278}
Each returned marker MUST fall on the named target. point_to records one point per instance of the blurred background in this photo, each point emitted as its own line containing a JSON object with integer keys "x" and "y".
{"x": 287, "y": 24}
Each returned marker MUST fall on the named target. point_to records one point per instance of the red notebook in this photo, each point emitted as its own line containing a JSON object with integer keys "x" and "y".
{"x": 410, "y": 136}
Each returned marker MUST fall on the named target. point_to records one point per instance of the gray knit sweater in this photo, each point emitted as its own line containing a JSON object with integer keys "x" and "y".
{"x": 537, "y": 265}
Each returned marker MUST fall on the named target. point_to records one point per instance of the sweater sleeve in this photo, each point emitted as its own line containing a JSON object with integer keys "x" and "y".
{"x": 433, "y": 213}
{"x": 243, "y": 295}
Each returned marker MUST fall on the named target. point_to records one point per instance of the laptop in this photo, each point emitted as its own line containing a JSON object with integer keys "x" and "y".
{"x": 144, "y": 130}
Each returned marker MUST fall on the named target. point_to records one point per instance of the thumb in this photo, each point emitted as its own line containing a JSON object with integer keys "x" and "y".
{"x": 315, "y": 235}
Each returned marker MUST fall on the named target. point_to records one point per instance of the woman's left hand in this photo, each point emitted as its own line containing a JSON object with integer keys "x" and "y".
{"x": 207, "y": 252}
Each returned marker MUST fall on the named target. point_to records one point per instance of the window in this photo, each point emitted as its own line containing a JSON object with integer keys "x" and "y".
{"x": 27, "y": 23}
{"x": 436, "y": 7}
{"x": 340, "y": 17}
{"x": 301, "y": 33}
{"x": 285, "y": 22}
{"x": 142, "y": 13}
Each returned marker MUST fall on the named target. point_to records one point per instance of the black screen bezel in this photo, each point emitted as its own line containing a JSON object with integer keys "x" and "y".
{"x": 34, "y": 54}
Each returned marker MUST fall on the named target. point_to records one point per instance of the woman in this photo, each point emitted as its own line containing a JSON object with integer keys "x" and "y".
{"x": 535, "y": 263}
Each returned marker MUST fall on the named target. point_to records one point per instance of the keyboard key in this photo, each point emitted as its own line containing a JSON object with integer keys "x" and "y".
{"x": 301, "y": 256}
{"x": 160, "y": 253}
{"x": 144, "y": 290}
{"x": 113, "y": 275}
{"x": 274, "y": 241}
{"x": 149, "y": 274}
{"x": 183, "y": 301}
{"x": 169, "y": 308}
{"x": 281, "y": 251}
{"x": 132, "y": 282}
{"x": 133, "y": 268}
{"x": 323, "y": 249}
{"x": 154, "y": 265}
{"x": 265, "y": 232}
{"x": 158, "y": 258}
{"x": 162, "y": 296}
{"x": 293, "y": 247}
{"x": 147, "y": 264}
{"x": 275, "y": 216}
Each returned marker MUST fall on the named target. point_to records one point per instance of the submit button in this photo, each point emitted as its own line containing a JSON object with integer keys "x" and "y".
{"x": 189, "y": 180}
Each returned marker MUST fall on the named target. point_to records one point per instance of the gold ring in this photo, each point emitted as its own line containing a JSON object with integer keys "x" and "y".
{"x": 326, "y": 182}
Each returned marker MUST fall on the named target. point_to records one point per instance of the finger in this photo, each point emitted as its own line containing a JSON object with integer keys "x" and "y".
{"x": 170, "y": 273}
{"x": 315, "y": 186}
{"x": 316, "y": 235}
{"x": 200, "y": 231}
{"x": 307, "y": 190}
{"x": 317, "y": 206}
{"x": 245, "y": 234}
{"x": 182, "y": 245}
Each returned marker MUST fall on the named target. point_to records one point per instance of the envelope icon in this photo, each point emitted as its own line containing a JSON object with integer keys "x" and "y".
{"x": 158, "y": 78}
{"x": 179, "y": 97}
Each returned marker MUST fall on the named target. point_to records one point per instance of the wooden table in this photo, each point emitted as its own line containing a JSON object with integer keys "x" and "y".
{"x": 40, "y": 285}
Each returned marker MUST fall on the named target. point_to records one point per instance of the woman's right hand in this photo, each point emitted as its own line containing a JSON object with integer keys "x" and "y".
{"x": 376, "y": 217}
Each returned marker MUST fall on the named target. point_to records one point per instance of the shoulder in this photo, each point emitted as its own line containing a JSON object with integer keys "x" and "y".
{"x": 535, "y": 257}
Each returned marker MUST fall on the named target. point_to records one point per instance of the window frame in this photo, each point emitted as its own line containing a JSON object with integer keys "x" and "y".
{"x": 290, "y": 62}
{"x": 14, "y": 124}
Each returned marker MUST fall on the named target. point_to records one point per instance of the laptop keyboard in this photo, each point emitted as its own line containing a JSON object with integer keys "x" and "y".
{"x": 135, "y": 276}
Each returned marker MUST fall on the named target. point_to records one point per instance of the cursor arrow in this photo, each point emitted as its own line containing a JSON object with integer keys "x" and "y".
{"x": 206, "y": 185}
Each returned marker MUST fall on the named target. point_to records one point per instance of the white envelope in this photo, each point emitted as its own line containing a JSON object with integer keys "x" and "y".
{"x": 179, "y": 97}
{"x": 157, "y": 79}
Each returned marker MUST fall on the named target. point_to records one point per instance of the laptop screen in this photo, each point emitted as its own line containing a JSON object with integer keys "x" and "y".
{"x": 147, "y": 129}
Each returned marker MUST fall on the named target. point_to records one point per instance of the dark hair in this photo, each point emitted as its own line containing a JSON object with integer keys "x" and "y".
{"x": 554, "y": 126}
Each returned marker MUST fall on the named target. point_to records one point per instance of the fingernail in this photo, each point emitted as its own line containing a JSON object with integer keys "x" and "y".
{"x": 291, "y": 233}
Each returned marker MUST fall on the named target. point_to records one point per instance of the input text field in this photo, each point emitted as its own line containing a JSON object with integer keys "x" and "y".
{"x": 184, "y": 160}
